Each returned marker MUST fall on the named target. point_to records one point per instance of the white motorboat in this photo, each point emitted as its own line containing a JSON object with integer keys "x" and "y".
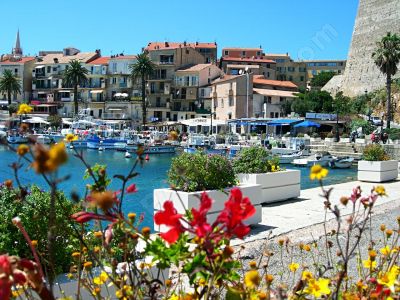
{"x": 322, "y": 159}
{"x": 43, "y": 139}
{"x": 128, "y": 155}
{"x": 290, "y": 157}
{"x": 342, "y": 162}
{"x": 17, "y": 139}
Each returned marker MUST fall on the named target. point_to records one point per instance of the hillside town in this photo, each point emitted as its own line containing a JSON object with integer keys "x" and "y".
{"x": 190, "y": 80}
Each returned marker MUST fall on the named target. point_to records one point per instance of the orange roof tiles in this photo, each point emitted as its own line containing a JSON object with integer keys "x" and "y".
{"x": 242, "y": 49}
{"x": 249, "y": 59}
{"x": 100, "y": 61}
{"x": 288, "y": 84}
{"x": 23, "y": 60}
{"x": 174, "y": 45}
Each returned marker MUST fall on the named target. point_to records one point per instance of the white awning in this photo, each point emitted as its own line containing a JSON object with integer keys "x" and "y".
{"x": 42, "y": 93}
{"x": 96, "y": 91}
{"x": 115, "y": 109}
{"x": 39, "y": 67}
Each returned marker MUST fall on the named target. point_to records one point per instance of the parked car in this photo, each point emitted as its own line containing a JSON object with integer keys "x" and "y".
{"x": 377, "y": 121}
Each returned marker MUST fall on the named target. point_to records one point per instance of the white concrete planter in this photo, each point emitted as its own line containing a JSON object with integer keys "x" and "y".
{"x": 360, "y": 141}
{"x": 318, "y": 139}
{"x": 189, "y": 200}
{"x": 276, "y": 186}
{"x": 330, "y": 140}
{"x": 377, "y": 171}
{"x": 345, "y": 140}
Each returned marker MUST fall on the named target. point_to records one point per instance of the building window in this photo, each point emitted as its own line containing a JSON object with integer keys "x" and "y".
{"x": 258, "y": 53}
{"x": 268, "y": 74}
{"x": 281, "y": 99}
{"x": 48, "y": 69}
{"x": 16, "y": 71}
{"x": 301, "y": 78}
{"x": 243, "y": 53}
{"x": 271, "y": 114}
{"x": 168, "y": 115}
{"x": 222, "y": 102}
{"x": 231, "y": 101}
{"x": 290, "y": 69}
{"x": 268, "y": 66}
{"x": 226, "y": 52}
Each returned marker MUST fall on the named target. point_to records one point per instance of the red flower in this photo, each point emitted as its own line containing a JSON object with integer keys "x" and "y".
{"x": 170, "y": 218}
{"x": 5, "y": 288}
{"x": 131, "y": 189}
{"x": 237, "y": 209}
{"x": 83, "y": 217}
{"x": 199, "y": 222}
{"x": 5, "y": 265}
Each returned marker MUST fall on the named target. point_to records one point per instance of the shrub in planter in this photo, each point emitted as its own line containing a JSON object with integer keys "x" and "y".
{"x": 376, "y": 165}
{"x": 254, "y": 160}
{"x": 33, "y": 212}
{"x": 345, "y": 136}
{"x": 374, "y": 152}
{"x": 329, "y": 135}
{"x": 199, "y": 171}
{"x": 315, "y": 135}
{"x": 300, "y": 135}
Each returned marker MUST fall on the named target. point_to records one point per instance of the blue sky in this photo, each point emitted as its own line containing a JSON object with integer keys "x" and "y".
{"x": 307, "y": 29}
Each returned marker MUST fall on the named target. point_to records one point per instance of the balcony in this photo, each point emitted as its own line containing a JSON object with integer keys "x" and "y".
{"x": 203, "y": 111}
{"x": 122, "y": 84}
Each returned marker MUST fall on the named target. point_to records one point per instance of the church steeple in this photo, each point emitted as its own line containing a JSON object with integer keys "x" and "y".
{"x": 17, "y": 50}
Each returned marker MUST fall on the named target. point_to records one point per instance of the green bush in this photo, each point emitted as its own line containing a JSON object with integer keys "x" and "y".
{"x": 34, "y": 211}
{"x": 315, "y": 135}
{"x": 254, "y": 160}
{"x": 300, "y": 134}
{"x": 345, "y": 135}
{"x": 366, "y": 126}
{"x": 393, "y": 133}
{"x": 374, "y": 152}
{"x": 329, "y": 135}
{"x": 199, "y": 171}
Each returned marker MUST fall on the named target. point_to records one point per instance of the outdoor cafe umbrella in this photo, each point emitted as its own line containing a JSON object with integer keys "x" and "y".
{"x": 307, "y": 123}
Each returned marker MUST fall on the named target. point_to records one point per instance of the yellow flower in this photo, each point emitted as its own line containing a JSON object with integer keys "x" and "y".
{"x": 22, "y": 150}
{"x": 253, "y": 264}
{"x": 101, "y": 279}
{"x": 307, "y": 275}
{"x": 98, "y": 234}
{"x": 173, "y": 297}
{"x": 88, "y": 264}
{"x": 70, "y": 137}
{"x": 293, "y": 267}
{"x": 385, "y": 251}
{"x": 380, "y": 190}
{"x": 317, "y": 288}
{"x": 34, "y": 243}
{"x": 76, "y": 254}
{"x": 57, "y": 155}
{"x": 124, "y": 292}
{"x": 252, "y": 279}
{"x": 269, "y": 278}
{"x": 318, "y": 172}
{"x": 24, "y": 109}
{"x": 262, "y": 296}
{"x": 369, "y": 264}
{"x": 306, "y": 248}
{"x": 389, "y": 279}
{"x": 48, "y": 160}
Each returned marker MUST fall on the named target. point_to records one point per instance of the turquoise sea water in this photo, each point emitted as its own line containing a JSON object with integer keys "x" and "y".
{"x": 152, "y": 176}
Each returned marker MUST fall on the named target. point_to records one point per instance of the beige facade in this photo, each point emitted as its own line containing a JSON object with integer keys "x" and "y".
{"x": 165, "y": 102}
{"x": 315, "y": 67}
{"x": 289, "y": 70}
{"x": 47, "y": 85}
{"x": 22, "y": 68}
{"x": 232, "y": 97}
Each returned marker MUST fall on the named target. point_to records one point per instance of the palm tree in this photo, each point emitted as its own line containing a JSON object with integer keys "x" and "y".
{"x": 387, "y": 57}
{"x": 9, "y": 84}
{"x": 75, "y": 74}
{"x": 143, "y": 69}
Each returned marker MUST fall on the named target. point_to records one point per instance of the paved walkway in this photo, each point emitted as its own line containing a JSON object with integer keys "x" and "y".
{"x": 308, "y": 209}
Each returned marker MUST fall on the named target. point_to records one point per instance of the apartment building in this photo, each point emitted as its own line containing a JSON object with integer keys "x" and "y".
{"x": 162, "y": 98}
{"x": 47, "y": 76}
{"x": 232, "y": 97}
{"x": 22, "y": 68}
{"x": 236, "y": 61}
{"x": 315, "y": 67}
{"x": 270, "y": 95}
{"x": 192, "y": 90}
{"x": 207, "y": 50}
{"x": 289, "y": 70}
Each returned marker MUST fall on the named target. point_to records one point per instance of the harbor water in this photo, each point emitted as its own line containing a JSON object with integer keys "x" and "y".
{"x": 152, "y": 175}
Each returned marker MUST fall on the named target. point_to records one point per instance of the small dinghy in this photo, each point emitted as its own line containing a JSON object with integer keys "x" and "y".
{"x": 341, "y": 162}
